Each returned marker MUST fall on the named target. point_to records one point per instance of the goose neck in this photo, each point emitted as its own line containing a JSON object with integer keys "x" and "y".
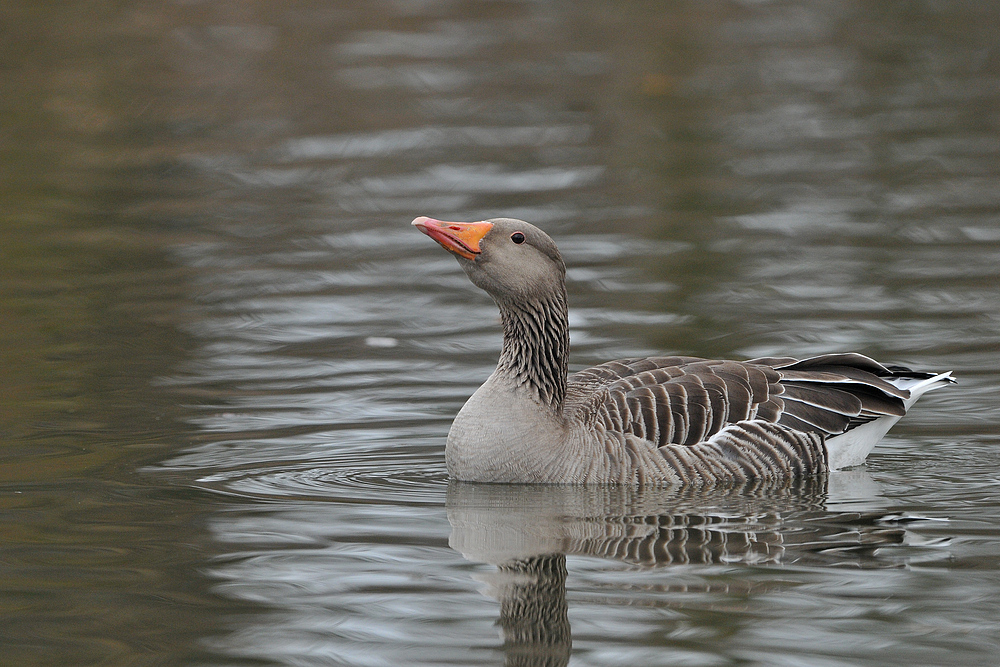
{"x": 535, "y": 349}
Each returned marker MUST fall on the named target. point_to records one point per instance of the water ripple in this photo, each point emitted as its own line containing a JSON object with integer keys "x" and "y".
{"x": 382, "y": 477}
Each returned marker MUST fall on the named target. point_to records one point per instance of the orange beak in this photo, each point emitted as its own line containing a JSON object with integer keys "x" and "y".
{"x": 461, "y": 238}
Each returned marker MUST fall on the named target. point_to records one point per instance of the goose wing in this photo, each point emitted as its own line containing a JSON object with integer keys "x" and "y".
{"x": 776, "y": 411}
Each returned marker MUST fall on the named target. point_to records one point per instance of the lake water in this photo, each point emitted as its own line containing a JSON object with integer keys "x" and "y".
{"x": 228, "y": 364}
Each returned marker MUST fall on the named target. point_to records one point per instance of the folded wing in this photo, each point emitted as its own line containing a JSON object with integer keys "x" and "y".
{"x": 765, "y": 413}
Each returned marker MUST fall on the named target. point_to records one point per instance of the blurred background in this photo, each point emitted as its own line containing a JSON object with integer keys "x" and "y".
{"x": 228, "y": 363}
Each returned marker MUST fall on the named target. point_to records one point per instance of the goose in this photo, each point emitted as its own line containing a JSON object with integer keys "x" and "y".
{"x": 671, "y": 420}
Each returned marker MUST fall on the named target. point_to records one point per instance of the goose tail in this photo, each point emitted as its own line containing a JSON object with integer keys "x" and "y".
{"x": 851, "y": 448}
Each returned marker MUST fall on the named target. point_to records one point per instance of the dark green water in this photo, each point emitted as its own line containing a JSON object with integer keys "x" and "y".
{"x": 228, "y": 363}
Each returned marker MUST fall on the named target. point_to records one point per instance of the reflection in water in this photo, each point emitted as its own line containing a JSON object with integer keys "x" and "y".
{"x": 533, "y": 611}
{"x": 528, "y": 531}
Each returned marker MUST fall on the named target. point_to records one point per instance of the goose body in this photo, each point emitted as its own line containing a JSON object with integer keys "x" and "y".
{"x": 655, "y": 420}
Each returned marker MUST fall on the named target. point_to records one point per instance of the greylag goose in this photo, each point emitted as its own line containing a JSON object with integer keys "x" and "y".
{"x": 658, "y": 420}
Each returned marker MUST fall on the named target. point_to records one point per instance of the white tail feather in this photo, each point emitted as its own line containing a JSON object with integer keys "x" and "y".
{"x": 852, "y": 448}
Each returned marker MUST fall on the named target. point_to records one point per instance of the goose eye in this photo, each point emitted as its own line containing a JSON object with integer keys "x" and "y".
{"x": 517, "y": 237}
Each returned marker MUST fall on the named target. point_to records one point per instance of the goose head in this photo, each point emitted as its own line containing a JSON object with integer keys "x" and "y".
{"x": 511, "y": 260}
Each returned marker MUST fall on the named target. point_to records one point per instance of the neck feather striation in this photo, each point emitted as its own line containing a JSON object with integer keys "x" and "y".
{"x": 536, "y": 347}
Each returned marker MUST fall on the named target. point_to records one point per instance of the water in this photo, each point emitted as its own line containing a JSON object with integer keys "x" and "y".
{"x": 228, "y": 364}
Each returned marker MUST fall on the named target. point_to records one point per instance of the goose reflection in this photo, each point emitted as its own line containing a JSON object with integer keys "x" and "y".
{"x": 527, "y": 532}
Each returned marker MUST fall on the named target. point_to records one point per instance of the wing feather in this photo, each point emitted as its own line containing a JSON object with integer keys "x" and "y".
{"x": 696, "y": 408}
{"x": 806, "y": 417}
{"x": 770, "y": 410}
{"x": 766, "y": 414}
{"x": 674, "y": 412}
